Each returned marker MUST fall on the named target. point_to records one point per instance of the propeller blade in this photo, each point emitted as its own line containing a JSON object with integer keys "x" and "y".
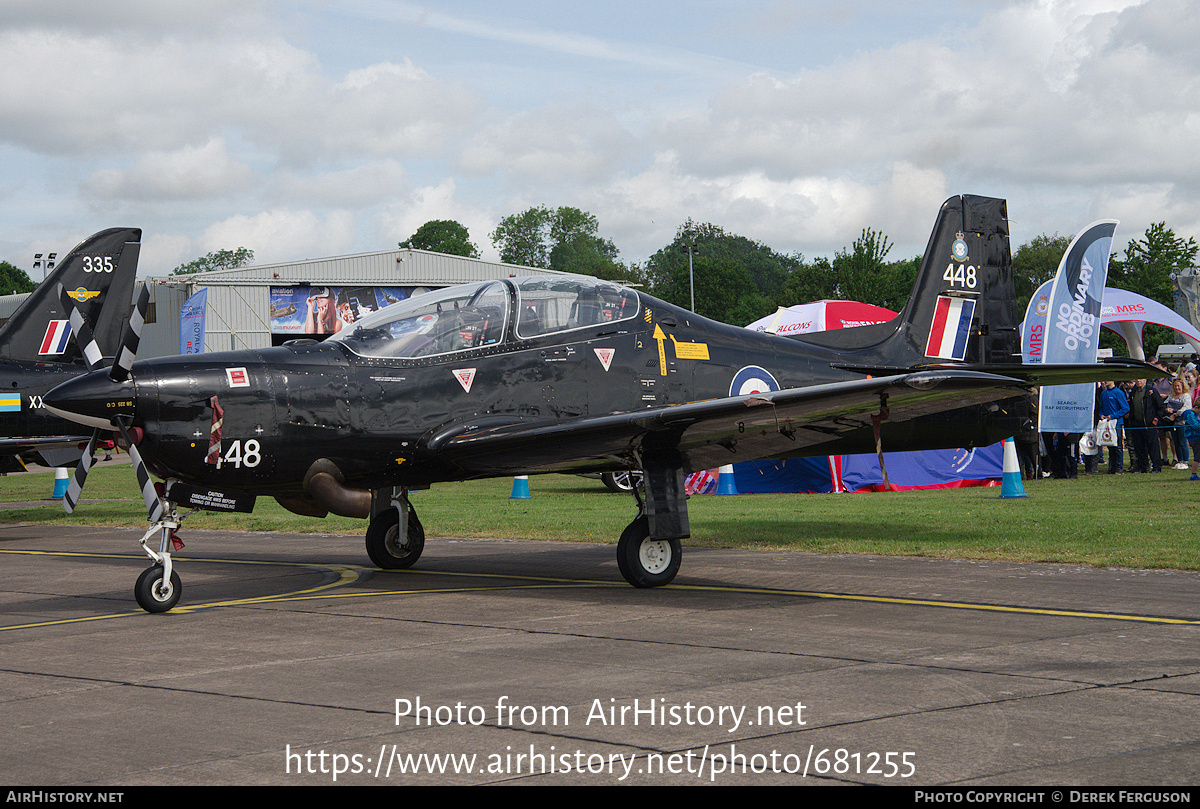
{"x": 75, "y": 487}
{"x": 83, "y": 333}
{"x": 154, "y": 506}
{"x": 130, "y": 338}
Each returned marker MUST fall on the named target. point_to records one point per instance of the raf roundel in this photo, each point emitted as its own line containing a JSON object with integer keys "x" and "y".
{"x": 752, "y": 379}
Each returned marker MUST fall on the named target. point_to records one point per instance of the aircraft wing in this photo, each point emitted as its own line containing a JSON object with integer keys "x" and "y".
{"x": 718, "y": 431}
{"x": 1117, "y": 369}
{"x": 51, "y": 450}
{"x": 11, "y": 446}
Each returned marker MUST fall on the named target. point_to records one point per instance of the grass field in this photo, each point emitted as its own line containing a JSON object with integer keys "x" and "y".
{"x": 1130, "y": 520}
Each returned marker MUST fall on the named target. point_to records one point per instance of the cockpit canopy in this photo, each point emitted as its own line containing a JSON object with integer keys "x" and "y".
{"x": 480, "y": 315}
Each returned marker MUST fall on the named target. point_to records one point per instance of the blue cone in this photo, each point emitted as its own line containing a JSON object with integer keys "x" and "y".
{"x": 520, "y": 490}
{"x": 1010, "y": 482}
{"x": 62, "y": 477}
{"x": 725, "y": 482}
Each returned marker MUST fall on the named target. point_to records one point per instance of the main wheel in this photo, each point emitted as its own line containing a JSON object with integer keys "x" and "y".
{"x": 383, "y": 540}
{"x": 646, "y": 562}
{"x": 150, "y": 593}
{"x": 621, "y": 482}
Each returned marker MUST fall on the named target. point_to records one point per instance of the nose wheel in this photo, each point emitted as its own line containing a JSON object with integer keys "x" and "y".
{"x": 156, "y": 593}
{"x": 158, "y": 588}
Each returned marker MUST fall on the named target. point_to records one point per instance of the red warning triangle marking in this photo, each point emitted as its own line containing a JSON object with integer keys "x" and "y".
{"x": 465, "y": 377}
{"x": 605, "y": 355}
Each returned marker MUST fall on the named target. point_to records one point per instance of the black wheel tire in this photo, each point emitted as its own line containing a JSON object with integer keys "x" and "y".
{"x": 646, "y": 562}
{"x": 383, "y": 540}
{"x": 621, "y": 482}
{"x": 149, "y": 594}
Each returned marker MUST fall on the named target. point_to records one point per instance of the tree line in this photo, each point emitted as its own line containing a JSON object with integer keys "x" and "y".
{"x": 738, "y": 280}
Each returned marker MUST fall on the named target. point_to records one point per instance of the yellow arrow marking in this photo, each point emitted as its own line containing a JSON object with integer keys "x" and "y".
{"x": 662, "y": 351}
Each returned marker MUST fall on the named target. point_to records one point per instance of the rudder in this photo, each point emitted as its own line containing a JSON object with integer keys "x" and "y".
{"x": 99, "y": 273}
{"x": 962, "y": 307}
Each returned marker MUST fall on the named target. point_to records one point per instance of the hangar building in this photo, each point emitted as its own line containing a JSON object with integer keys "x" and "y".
{"x": 269, "y": 304}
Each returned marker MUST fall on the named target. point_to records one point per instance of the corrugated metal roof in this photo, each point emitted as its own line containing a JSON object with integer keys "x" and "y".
{"x": 405, "y": 267}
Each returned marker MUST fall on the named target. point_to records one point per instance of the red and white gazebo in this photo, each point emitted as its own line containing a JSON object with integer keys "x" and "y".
{"x": 1127, "y": 313}
{"x": 821, "y": 316}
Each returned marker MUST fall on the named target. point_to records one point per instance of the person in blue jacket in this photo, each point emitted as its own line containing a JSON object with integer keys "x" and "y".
{"x": 1115, "y": 405}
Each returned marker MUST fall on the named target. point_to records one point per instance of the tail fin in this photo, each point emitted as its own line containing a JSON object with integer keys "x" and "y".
{"x": 963, "y": 303}
{"x": 99, "y": 274}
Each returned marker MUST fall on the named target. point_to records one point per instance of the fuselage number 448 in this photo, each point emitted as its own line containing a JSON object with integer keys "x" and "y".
{"x": 240, "y": 454}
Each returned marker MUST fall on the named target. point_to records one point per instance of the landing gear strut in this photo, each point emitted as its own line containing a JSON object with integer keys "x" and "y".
{"x": 158, "y": 588}
{"x": 649, "y": 551}
{"x": 388, "y": 546}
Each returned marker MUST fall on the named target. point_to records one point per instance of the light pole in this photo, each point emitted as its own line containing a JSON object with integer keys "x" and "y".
{"x": 691, "y": 248}
{"x": 47, "y": 265}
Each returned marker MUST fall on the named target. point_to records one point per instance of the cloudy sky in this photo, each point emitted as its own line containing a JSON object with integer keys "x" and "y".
{"x": 304, "y": 129}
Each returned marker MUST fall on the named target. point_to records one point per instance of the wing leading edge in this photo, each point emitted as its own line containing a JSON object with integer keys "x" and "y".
{"x": 791, "y": 422}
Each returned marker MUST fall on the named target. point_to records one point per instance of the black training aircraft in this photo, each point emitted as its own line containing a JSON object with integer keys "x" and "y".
{"x": 37, "y": 354}
{"x": 566, "y": 374}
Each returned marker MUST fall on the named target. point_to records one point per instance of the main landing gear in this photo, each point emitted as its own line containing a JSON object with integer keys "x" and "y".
{"x": 647, "y": 562}
{"x": 649, "y": 551}
{"x": 388, "y": 546}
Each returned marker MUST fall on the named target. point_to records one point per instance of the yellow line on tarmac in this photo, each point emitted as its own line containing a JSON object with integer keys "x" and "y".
{"x": 349, "y": 574}
{"x": 345, "y": 575}
{"x": 958, "y": 605}
{"x": 560, "y": 583}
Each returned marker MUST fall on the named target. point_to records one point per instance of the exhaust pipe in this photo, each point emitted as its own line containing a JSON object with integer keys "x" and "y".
{"x": 326, "y": 484}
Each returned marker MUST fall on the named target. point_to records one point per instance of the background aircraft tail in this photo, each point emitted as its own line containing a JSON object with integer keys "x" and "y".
{"x": 99, "y": 275}
{"x": 963, "y": 304}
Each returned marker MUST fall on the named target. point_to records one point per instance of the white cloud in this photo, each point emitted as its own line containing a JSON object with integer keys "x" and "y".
{"x": 93, "y": 95}
{"x": 361, "y": 121}
{"x": 188, "y": 173}
{"x": 400, "y": 220}
{"x": 163, "y": 252}
{"x": 813, "y": 215}
{"x": 558, "y": 144}
{"x": 357, "y": 188}
{"x": 282, "y": 235}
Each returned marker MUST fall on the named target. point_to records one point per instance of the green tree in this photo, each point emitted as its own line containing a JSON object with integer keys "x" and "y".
{"x": 859, "y": 273}
{"x": 809, "y": 282}
{"x": 443, "y": 236}
{"x": 1148, "y": 264}
{"x": 522, "y": 238}
{"x": 565, "y": 239}
{"x": 1146, "y": 270}
{"x": 14, "y": 280}
{"x": 217, "y": 260}
{"x": 1035, "y": 263}
{"x": 737, "y": 279}
{"x": 896, "y": 283}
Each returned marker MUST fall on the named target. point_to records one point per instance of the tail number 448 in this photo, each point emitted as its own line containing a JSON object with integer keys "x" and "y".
{"x": 961, "y": 275}
{"x": 239, "y": 454}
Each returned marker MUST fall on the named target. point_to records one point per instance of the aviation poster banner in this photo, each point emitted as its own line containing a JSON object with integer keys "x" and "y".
{"x": 1072, "y": 326}
{"x": 319, "y": 310}
{"x": 191, "y": 323}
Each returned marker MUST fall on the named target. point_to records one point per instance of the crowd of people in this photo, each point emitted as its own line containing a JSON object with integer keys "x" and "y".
{"x": 1157, "y": 420}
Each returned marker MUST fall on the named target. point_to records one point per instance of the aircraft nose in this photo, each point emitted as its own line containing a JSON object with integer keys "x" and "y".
{"x": 92, "y": 399}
